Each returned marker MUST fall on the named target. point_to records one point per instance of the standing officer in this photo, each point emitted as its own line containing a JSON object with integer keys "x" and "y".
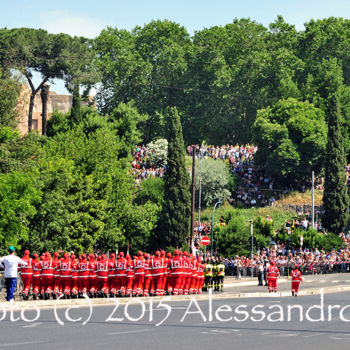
{"x": 296, "y": 279}
{"x": 208, "y": 276}
{"x": 10, "y": 263}
{"x": 271, "y": 275}
{"x": 56, "y": 275}
{"x": 220, "y": 270}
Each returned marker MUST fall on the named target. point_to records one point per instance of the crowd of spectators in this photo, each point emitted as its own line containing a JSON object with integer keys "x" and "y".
{"x": 141, "y": 166}
{"x": 312, "y": 261}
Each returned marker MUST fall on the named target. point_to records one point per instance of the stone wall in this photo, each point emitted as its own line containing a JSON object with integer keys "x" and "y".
{"x": 56, "y": 103}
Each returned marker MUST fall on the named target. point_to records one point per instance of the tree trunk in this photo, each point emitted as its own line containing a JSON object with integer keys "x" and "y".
{"x": 30, "y": 114}
{"x": 32, "y": 97}
{"x": 44, "y": 97}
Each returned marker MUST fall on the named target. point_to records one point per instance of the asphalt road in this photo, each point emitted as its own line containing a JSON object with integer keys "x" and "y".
{"x": 188, "y": 326}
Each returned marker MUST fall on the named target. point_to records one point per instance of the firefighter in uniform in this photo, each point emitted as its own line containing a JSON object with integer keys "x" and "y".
{"x": 215, "y": 276}
{"x": 208, "y": 276}
{"x": 220, "y": 276}
{"x": 296, "y": 279}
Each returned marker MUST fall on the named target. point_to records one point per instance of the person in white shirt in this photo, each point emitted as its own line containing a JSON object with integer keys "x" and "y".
{"x": 10, "y": 263}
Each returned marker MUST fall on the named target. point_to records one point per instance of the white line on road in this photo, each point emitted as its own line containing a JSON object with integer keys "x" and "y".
{"x": 32, "y": 325}
{"x": 129, "y": 332}
{"x": 17, "y": 344}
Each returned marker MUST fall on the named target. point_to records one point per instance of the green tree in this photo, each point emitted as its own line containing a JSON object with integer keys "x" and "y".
{"x": 173, "y": 228}
{"x": 9, "y": 91}
{"x": 335, "y": 198}
{"x": 291, "y": 139}
{"x": 18, "y": 197}
{"x": 215, "y": 180}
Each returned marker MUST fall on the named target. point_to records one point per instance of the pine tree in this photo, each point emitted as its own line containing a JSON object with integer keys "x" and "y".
{"x": 335, "y": 197}
{"x": 173, "y": 228}
{"x": 75, "y": 113}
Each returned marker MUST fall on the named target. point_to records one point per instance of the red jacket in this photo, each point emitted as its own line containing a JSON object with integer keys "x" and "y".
{"x": 296, "y": 275}
{"x": 176, "y": 266}
{"x": 111, "y": 268}
{"x": 148, "y": 268}
{"x": 272, "y": 272}
{"x": 102, "y": 268}
{"x": 84, "y": 268}
{"x": 56, "y": 267}
{"x": 36, "y": 268}
{"x": 121, "y": 267}
{"x": 74, "y": 268}
{"x": 28, "y": 269}
{"x": 47, "y": 268}
{"x": 157, "y": 266}
{"x": 65, "y": 268}
{"x": 92, "y": 268}
{"x": 139, "y": 266}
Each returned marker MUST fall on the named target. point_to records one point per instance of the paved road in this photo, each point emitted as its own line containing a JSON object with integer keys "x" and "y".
{"x": 186, "y": 328}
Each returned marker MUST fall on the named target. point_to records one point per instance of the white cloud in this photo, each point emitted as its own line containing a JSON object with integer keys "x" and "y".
{"x": 62, "y": 22}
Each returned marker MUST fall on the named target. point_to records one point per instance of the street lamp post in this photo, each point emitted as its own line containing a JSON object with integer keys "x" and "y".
{"x": 212, "y": 224}
{"x": 251, "y": 253}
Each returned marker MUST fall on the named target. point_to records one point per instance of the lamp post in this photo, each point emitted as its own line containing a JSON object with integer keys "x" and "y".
{"x": 251, "y": 252}
{"x": 212, "y": 225}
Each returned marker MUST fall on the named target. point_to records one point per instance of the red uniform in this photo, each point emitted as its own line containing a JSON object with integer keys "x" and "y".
{"x": 194, "y": 278}
{"x": 201, "y": 277}
{"x": 296, "y": 279}
{"x": 56, "y": 274}
{"x": 167, "y": 268}
{"x": 271, "y": 275}
{"x": 157, "y": 268}
{"x": 102, "y": 275}
{"x": 129, "y": 275}
{"x": 26, "y": 274}
{"x": 187, "y": 274}
{"x": 65, "y": 275}
{"x": 75, "y": 274}
{"x": 176, "y": 274}
{"x": 36, "y": 276}
{"x": 148, "y": 275}
{"x": 112, "y": 275}
{"x": 47, "y": 275}
{"x": 92, "y": 274}
{"x": 139, "y": 271}
{"x": 121, "y": 273}
{"x": 83, "y": 275}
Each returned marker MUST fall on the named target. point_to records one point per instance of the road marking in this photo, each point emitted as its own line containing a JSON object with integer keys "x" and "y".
{"x": 32, "y": 325}
{"x": 17, "y": 344}
{"x": 129, "y": 332}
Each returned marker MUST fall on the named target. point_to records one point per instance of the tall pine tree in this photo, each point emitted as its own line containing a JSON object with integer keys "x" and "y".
{"x": 335, "y": 197}
{"x": 173, "y": 227}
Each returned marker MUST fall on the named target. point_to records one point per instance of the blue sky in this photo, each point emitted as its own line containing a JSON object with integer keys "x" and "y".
{"x": 88, "y": 18}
